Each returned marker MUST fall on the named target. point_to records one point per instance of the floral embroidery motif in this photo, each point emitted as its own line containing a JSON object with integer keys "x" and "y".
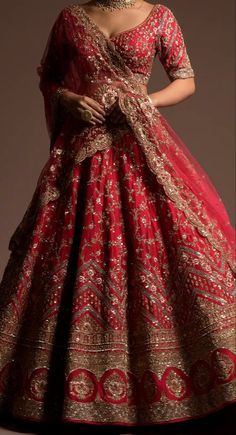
{"x": 171, "y": 49}
{"x": 118, "y": 299}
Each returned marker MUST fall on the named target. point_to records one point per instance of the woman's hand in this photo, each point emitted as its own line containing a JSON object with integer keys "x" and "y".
{"x": 75, "y": 104}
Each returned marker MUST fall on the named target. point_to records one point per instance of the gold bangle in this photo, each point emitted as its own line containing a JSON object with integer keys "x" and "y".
{"x": 59, "y": 92}
{"x": 150, "y": 99}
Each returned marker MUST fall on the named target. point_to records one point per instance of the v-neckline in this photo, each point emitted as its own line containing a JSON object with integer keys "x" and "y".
{"x": 109, "y": 38}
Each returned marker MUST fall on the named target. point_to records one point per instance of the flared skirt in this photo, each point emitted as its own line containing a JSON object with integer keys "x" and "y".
{"x": 113, "y": 308}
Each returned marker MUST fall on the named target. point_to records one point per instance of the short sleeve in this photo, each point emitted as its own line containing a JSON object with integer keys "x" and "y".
{"x": 171, "y": 48}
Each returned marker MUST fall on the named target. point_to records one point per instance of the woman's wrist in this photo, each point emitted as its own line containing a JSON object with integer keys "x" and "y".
{"x": 62, "y": 94}
{"x": 152, "y": 99}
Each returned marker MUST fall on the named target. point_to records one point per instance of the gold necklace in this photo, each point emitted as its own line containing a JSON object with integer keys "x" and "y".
{"x": 112, "y": 5}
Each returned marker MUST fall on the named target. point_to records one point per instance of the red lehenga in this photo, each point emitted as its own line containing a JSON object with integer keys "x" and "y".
{"x": 117, "y": 305}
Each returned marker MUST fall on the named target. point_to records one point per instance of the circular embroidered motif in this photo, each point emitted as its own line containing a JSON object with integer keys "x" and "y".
{"x": 223, "y": 365}
{"x": 176, "y": 384}
{"x": 37, "y": 384}
{"x": 113, "y": 386}
{"x": 82, "y": 386}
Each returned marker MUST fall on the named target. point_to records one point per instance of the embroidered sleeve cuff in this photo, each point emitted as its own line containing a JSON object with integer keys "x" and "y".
{"x": 181, "y": 73}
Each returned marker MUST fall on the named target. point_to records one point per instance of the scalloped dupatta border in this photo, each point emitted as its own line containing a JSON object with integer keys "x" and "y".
{"x": 141, "y": 115}
{"x": 175, "y": 188}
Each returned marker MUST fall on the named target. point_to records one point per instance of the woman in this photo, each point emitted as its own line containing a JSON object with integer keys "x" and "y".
{"x": 117, "y": 303}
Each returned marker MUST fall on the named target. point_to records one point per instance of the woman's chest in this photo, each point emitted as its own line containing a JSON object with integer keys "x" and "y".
{"x": 136, "y": 46}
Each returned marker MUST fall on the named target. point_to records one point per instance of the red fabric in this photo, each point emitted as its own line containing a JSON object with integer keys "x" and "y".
{"x": 67, "y": 61}
{"x": 117, "y": 305}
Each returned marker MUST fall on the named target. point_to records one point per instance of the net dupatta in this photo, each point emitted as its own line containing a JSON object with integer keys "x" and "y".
{"x": 183, "y": 179}
{"x": 185, "y": 182}
{"x": 54, "y": 73}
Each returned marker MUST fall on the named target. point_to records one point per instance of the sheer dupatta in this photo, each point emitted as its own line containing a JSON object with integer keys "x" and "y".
{"x": 55, "y": 71}
{"x": 183, "y": 179}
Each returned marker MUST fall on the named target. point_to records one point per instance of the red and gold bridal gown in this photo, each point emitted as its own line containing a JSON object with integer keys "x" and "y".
{"x": 117, "y": 305}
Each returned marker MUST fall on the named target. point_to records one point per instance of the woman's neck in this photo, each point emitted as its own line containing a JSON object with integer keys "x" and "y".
{"x": 115, "y": 4}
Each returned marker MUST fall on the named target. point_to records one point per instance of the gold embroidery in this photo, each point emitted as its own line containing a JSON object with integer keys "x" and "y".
{"x": 144, "y": 322}
{"x": 170, "y": 47}
{"x": 160, "y": 322}
{"x": 174, "y": 188}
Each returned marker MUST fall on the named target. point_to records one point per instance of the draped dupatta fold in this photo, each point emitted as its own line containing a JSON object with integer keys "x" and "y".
{"x": 51, "y": 70}
{"x": 117, "y": 305}
{"x": 183, "y": 179}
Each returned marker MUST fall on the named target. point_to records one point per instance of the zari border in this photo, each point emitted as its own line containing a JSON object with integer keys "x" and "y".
{"x": 172, "y": 190}
{"x": 129, "y": 104}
